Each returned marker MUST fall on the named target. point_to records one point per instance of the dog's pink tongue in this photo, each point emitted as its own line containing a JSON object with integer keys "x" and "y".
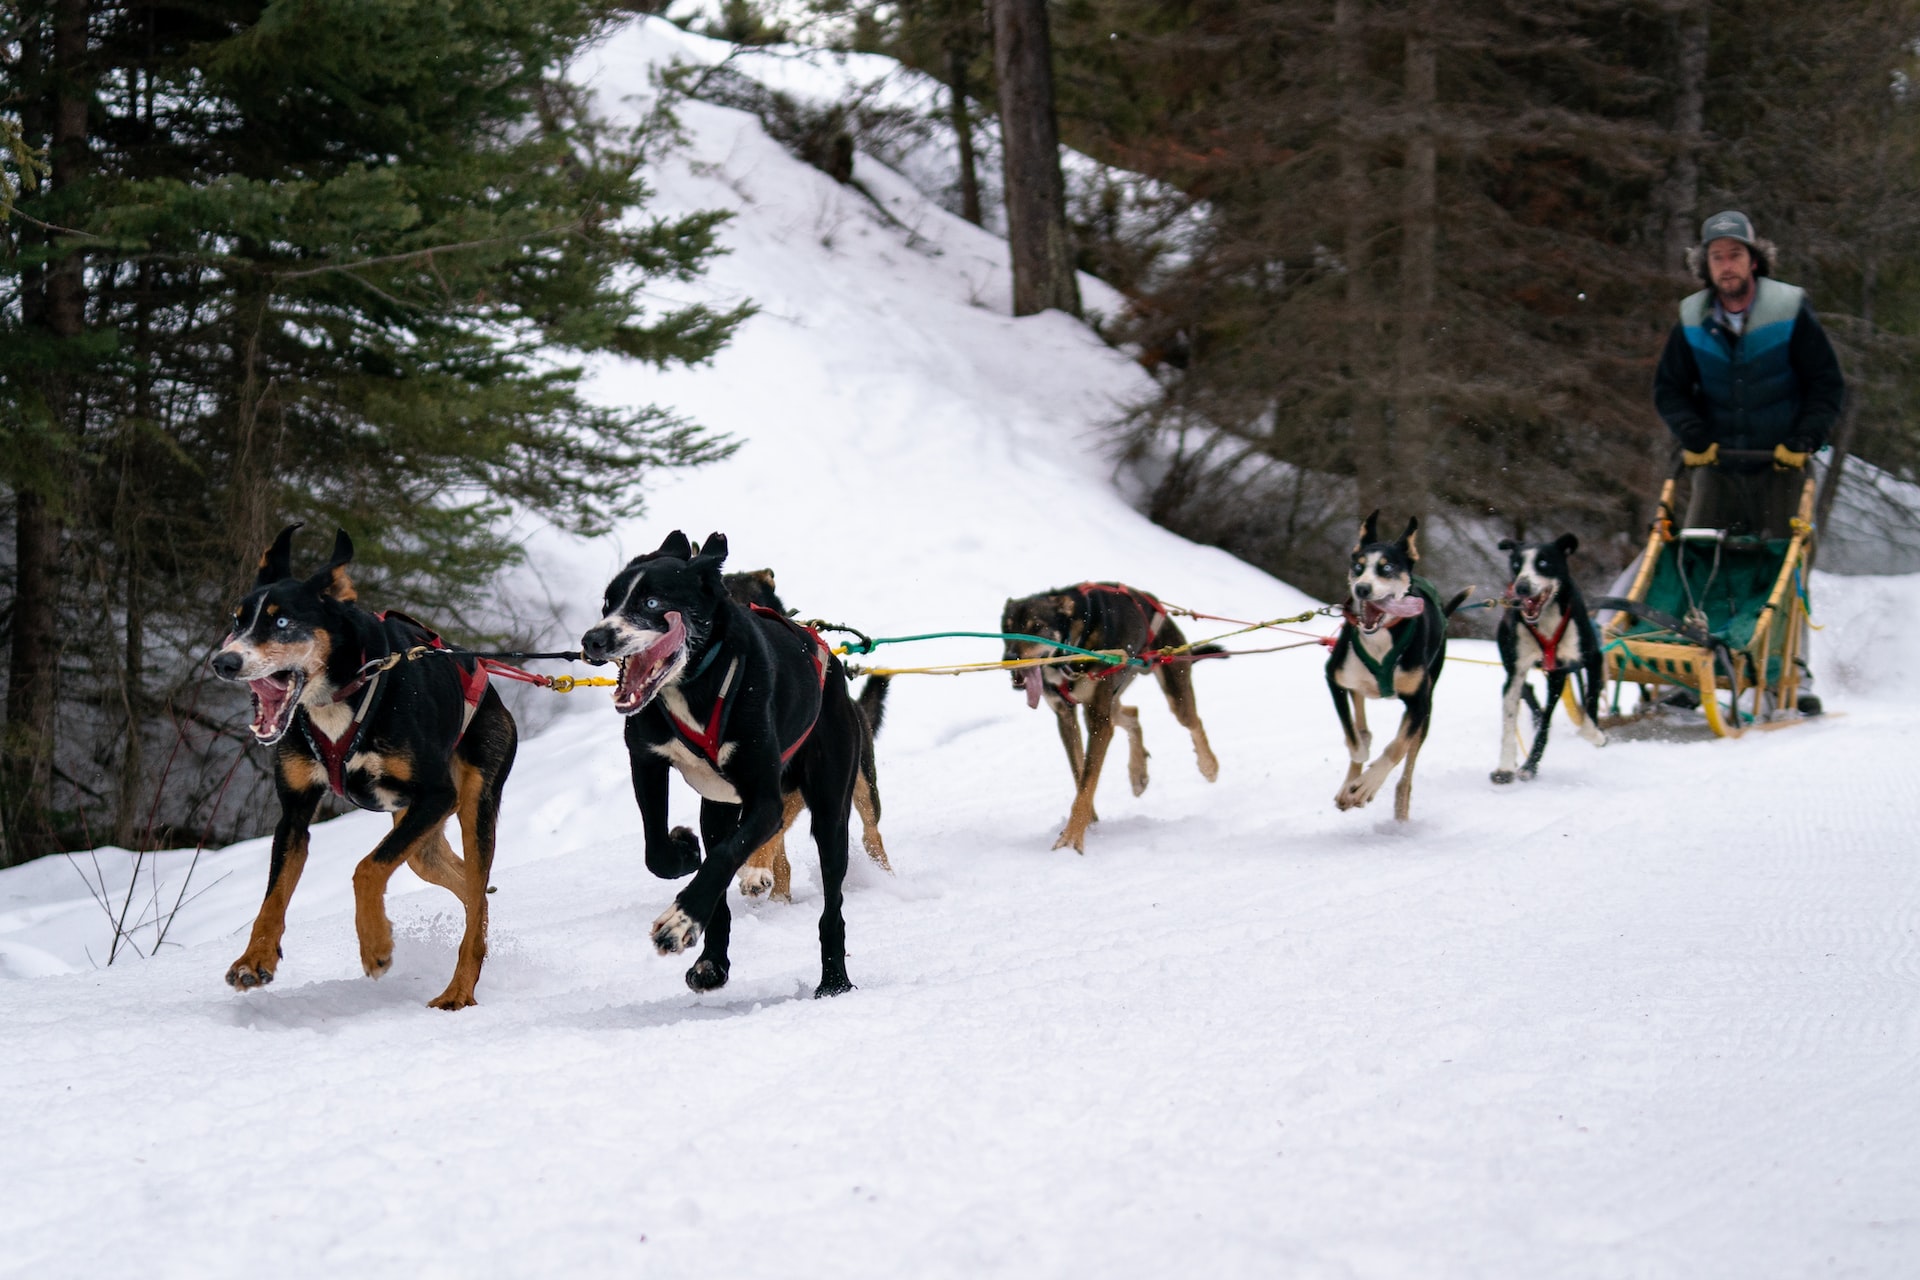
{"x": 269, "y": 697}
{"x": 1034, "y": 685}
{"x": 1408, "y": 606}
{"x": 676, "y": 635}
{"x": 638, "y": 666}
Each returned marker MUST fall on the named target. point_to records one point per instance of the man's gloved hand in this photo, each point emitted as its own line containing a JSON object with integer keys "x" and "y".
{"x": 1705, "y": 458}
{"x": 1786, "y": 458}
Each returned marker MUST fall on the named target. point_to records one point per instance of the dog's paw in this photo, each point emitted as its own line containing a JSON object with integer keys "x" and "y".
{"x": 1355, "y": 795}
{"x": 376, "y": 964}
{"x": 1075, "y": 840}
{"x": 376, "y": 949}
{"x": 675, "y": 931}
{"x": 1528, "y": 775}
{"x": 249, "y": 972}
{"x": 457, "y": 996}
{"x": 1209, "y": 764}
{"x": 1137, "y": 777}
{"x": 678, "y": 856}
{"x": 1593, "y": 733}
{"x": 832, "y": 983}
{"x": 755, "y": 882}
{"x": 706, "y": 976}
{"x": 1502, "y": 776}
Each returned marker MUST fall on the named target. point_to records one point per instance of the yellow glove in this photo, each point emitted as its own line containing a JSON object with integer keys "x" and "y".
{"x": 1785, "y": 459}
{"x": 1706, "y": 458}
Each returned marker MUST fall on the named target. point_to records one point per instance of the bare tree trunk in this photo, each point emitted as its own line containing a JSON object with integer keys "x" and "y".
{"x": 1413, "y": 423}
{"x": 252, "y": 494}
{"x": 1689, "y": 122}
{"x": 1371, "y": 465}
{"x": 1843, "y": 433}
{"x": 957, "y": 58}
{"x": 26, "y": 756}
{"x": 1037, "y": 240}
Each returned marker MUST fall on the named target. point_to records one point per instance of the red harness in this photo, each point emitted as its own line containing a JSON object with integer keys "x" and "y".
{"x": 1549, "y": 648}
{"x": 707, "y": 740}
{"x": 333, "y": 752}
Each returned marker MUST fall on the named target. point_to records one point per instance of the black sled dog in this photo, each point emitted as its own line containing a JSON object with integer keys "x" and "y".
{"x": 1547, "y": 626}
{"x": 1392, "y": 644}
{"x": 748, "y": 706}
{"x": 768, "y": 872}
{"x": 422, "y": 740}
{"x": 1102, "y": 616}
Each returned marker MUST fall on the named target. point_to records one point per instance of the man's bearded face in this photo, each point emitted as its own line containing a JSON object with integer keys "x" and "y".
{"x": 1731, "y": 266}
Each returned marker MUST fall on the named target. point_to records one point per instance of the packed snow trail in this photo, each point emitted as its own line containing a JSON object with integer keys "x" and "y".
{"x": 1655, "y": 1014}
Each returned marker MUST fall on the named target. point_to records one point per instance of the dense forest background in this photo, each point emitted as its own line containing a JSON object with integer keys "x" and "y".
{"x": 292, "y": 261}
{"x": 297, "y": 260}
{"x": 1423, "y": 256}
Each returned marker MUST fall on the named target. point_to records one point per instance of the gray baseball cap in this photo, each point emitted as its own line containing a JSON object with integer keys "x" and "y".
{"x": 1731, "y": 225}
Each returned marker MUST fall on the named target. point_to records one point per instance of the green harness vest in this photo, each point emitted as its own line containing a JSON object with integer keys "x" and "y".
{"x": 1382, "y": 671}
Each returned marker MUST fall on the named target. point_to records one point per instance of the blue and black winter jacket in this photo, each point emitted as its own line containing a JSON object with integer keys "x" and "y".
{"x": 1777, "y": 383}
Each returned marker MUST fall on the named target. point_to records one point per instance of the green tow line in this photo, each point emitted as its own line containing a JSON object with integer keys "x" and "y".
{"x": 865, "y": 644}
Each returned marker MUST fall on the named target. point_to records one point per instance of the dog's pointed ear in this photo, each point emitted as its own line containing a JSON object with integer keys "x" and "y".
{"x": 1508, "y": 544}
{"x": 1369, "y": 530}
{"x": 1567, "y": 543}
{"x": 333, "y": 582}
{"x": 675, "y": 545}
{"x": 1407, "y": 539}
{"x": 276, "y": 562}
{"x": 712, "y": 554}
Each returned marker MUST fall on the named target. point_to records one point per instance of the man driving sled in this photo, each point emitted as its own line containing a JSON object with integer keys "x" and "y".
{"x": 1747, "y": 368}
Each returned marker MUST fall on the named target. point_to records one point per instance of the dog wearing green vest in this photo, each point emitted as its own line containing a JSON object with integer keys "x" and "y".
{"x": 1392, "y": 644}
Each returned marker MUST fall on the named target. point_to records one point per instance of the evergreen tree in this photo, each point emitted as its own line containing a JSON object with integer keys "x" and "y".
{"x": 322, "y": 253}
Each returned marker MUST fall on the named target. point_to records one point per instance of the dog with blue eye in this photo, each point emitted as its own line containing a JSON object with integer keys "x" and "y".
{"x": 749, "y": 707}
{"x": 1392, "y": 643}
{"x": 1545, "y": 627}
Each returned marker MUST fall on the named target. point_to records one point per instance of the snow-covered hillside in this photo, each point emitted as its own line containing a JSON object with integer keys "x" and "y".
{"x": 1656, "y": 1014}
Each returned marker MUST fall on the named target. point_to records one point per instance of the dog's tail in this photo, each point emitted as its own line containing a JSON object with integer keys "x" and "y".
{"x": 872, "y": 707}
{"x": 873, "y": 701}
{"x": 1208, "y": 651}
{"x": 1448, "y": 608}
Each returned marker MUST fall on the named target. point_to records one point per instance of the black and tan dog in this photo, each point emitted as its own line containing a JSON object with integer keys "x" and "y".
{"x": 1546, "y": 626}
{"x": 768, "y": 871}
{"x": 1392, "y": 644}
{"x": 748, "y": 706}
{"x": 1102, "y": 616}
{"x": 423, "y": 741}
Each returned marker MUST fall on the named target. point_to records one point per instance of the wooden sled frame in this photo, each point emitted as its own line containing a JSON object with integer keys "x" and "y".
{"x": 1650, "y": 662}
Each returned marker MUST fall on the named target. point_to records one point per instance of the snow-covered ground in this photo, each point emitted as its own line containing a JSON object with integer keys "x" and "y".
{"x": 1656, "y": 1014}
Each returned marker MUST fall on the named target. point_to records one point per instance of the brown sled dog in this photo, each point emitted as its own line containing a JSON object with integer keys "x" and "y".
{"x": 768, "y": 873}
{"x": 1102, "y": 616}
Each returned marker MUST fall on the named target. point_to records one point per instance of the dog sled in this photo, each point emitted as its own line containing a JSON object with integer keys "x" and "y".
{"x": 1714, "y": 614}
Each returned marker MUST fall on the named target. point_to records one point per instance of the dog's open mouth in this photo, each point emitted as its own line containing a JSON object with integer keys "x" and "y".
{"x": 275, "y": 699}
{"x": 1376, "y": 613}
{"x": 1531, "y": 607}
{"x": 644, "y": 674}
